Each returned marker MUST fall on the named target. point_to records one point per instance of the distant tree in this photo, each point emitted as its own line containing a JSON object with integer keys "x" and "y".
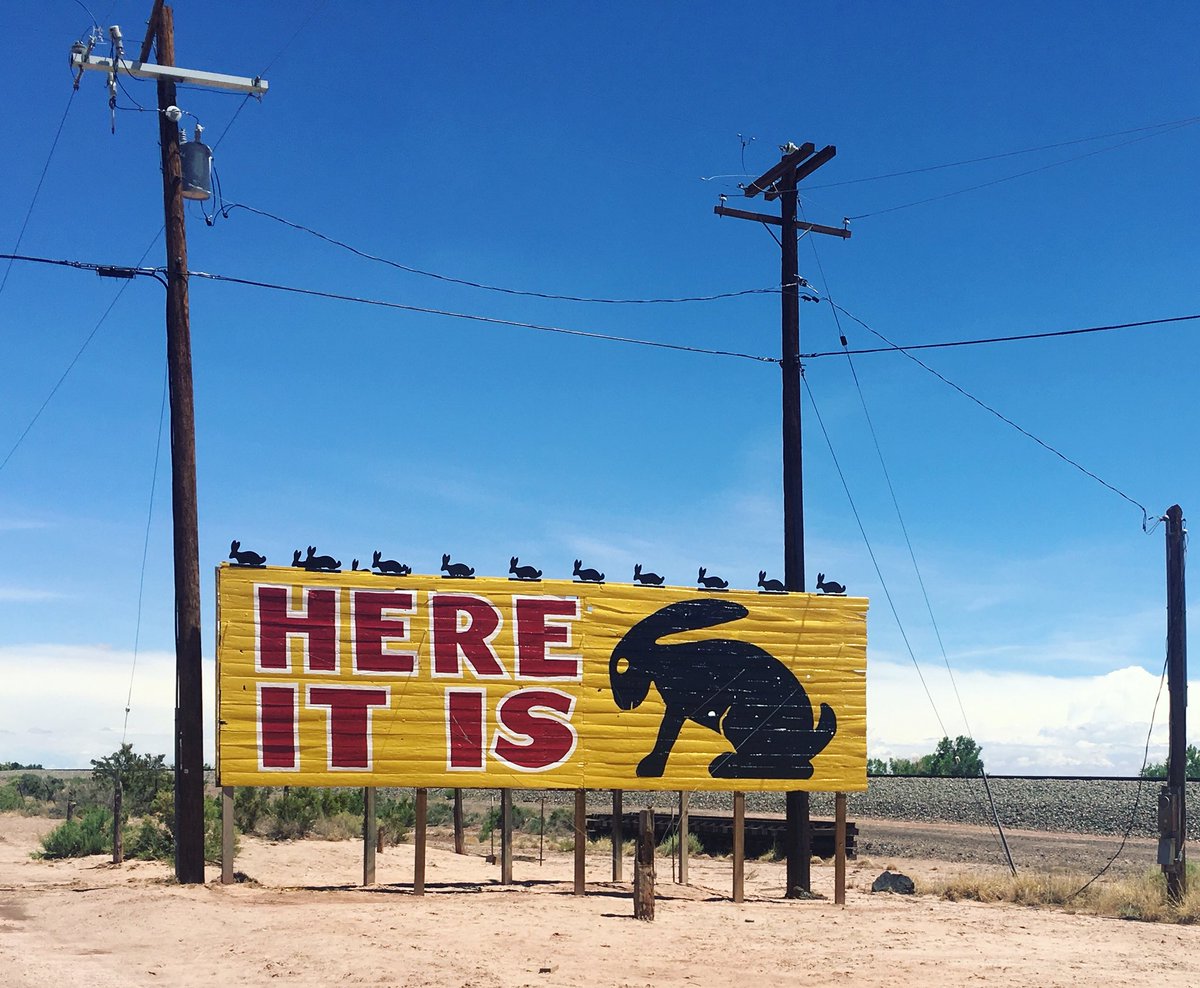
{"x": 16, "y": 767}
{"x": 960, "y": 758}
{"x": 135, "y": 780}
{"x": 1158, "y": 770}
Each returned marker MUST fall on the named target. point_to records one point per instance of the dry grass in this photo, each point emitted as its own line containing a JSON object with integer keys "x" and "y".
{"x": 1142, "y": 898}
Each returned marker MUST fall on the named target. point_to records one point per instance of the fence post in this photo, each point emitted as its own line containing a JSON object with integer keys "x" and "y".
{"x": 643, "y": 868}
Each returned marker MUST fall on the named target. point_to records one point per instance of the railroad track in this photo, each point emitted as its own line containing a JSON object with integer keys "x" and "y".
{"x": 715, "y": 831}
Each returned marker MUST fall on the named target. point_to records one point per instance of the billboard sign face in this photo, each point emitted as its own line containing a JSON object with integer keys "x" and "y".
{"x": 356, "y": 679}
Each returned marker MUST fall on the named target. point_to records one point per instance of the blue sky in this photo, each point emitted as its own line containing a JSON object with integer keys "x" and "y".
{"x": 569, "y": 149}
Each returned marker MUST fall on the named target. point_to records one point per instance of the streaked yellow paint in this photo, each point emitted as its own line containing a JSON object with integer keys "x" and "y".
{"x": 822, "y": 639}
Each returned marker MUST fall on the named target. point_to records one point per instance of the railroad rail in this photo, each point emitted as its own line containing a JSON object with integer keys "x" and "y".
{"x": 715, "y": 831}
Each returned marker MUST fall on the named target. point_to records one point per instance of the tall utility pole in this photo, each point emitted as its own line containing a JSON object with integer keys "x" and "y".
{"x": 1172, "y": 803}
{"x": 780, "y": 182}
{"x": 189, "y": 712}
{"x": 189, "y": 709}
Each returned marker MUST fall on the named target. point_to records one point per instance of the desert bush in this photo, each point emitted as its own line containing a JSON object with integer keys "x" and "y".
{"x": 395, "y": 816}
{"x": 339, "y": 826}
{"x": 90, "y": 834}
{"x": 439, "y": 813}
{"x": 250, "y": 804}
{"x": 10, "y": 799}
{"x": 292, "y": 815}
{"x": 670, "y": 845}
{"x": 149, "y": 840}
{"x": 1139, "y": 898}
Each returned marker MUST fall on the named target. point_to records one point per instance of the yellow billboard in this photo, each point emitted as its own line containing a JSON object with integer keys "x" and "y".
{"x": 360, "y": 679}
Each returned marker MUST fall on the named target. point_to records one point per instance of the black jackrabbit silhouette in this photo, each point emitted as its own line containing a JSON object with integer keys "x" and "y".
{"x": 458, "y": 570}
{"x": 828, "y": 586}
{"x": 246, "y": 558}
{"x": 587, "y": 575}
{"x": 770, "y": 586}
{"x": 711, "y": 582}
{"x": 646, "y": 579}
{"x": 523, "y": 572}
{"x": 733, "y": 688}
{"x": 314, "y": 562}
{"x": 388, "y": 566}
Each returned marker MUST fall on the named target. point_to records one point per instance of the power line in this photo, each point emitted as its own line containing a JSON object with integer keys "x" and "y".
{"x": 992, "y": 339}
{"x": 1003, "y": 154}
{"x": 1030, "y": 171}
{"x": 1007, "y": 421}
{"x": 871, "y": 552}
{"x": 99, "y": 268}
{"x": 492, "y": 320}
{"x": 37, "y": 190}
{"x": 226, "y": 209}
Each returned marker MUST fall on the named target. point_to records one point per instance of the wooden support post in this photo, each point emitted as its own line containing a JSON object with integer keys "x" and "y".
{"x": 227, "y": 835}
{"x": 839, "y": 849}
{"x": 460, "y": 840}
{"x": 618, "y": 837}
{"x": 580, "y": 841}
{"x": 369, "y": 835}
{"x": 684, "y": 798}
{"x": 506, "y": 847}
{"x": 118, "y": 831}
{"x": 739, "y": 846}
{"x": 419, "y": 839}
{"x": 643, "y": 868}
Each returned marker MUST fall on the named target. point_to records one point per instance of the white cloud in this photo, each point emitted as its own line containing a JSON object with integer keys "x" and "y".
{"x": 24, "y": 595}
{"x": 64, "y": 705}
{"x": 1027, "y": 723}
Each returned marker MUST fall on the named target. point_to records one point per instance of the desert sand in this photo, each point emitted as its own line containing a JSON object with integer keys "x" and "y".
{"x": 303, "y": 918}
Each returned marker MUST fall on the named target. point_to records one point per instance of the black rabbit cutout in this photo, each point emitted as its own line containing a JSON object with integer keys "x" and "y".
{"x": 711, "y": 582}
{"x": 523, "y": 572}
{"x": 646, "y": 579}
{"x": 587, "y": 575}
{"x": 829, "y": 586}
{"x": 314, "y": 562}
{"x": 245, "y": 557}
{"x": 460, "y": 571}
{"x": 388, "y": 567}
{"x": 733, "y": 688}
{"x": 770, "y": 586}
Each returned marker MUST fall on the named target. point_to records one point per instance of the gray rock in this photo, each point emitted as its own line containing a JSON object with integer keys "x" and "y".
{"x": 893, "y": 881}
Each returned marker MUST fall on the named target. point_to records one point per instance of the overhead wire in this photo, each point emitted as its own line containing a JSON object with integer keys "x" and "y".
{"x": 473, "y": 317}
{"x": 226, "y": 208}
{"x": 996, "y": 339}
{"x": 1023, "y": 174}
{"x": 1137, "y": 799}
{"x": 88, "y": 339}
{"x": 1003, "y": 154}
{"x": 887, "y": 476}
{"x": 137, "y": 633}
{"x": 38, "y": 188}
{"x": 871, "y": 552}
{"x": 1006, "y": 420}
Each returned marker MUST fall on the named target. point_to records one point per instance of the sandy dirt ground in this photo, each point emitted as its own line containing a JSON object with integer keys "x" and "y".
{"x": 303, "y": 919}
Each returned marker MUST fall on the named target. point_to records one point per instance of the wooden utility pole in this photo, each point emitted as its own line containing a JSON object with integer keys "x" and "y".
{"x": 1172, "y": 806}
{"x": 189, "y": 710}
{"x": 781, "y": 182}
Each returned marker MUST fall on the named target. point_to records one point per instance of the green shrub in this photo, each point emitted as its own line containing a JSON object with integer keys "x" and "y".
{"x": 293, "y": 814}
{"x": 91, "y": 834}
{"x": 671, "y": 844}
{"x": 250, "y": 804}
{"x": 396, "y": 816}
{"x": 149, "y": 840}
{"x": 439, "y": 814}
{"x": 339, "y": 826}
{"x": 10, "y": 799}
